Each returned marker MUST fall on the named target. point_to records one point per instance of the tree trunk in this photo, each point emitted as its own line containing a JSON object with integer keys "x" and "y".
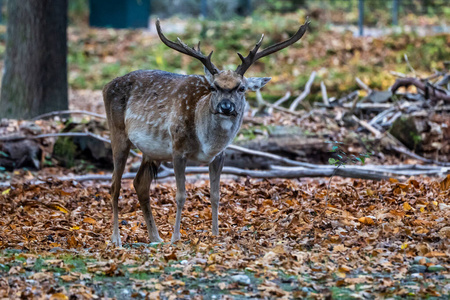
{"x": 35, "y": 78}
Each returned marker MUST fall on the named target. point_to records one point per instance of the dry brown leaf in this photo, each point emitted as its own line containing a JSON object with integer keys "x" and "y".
{"x": 68, "y": 278}
{"x": 445, "y": 184}
{"x": 436, "y": 254}
{"x": 58, "y": 296}
{"x": 366, "y": 220}
{"x": 406, "y": 206}
{"x": 89, "y": 220}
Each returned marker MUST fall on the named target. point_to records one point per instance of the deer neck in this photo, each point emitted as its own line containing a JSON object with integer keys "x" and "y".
{"x": 215, "y": 131}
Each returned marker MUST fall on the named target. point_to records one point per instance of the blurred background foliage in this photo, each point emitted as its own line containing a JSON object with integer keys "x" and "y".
{"x": 330, "y": 47}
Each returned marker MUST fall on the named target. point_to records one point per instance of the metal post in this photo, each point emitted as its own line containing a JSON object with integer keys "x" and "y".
{"x": 395, "y": 12}
{"x": 361, "y": 18}
{"x": 204, "y": 8}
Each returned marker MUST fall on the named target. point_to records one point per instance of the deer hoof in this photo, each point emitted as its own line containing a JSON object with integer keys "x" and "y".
{"x": 156, "y": 239}
{"x": 116, "y": 241}
{"x": 174, "y": 239}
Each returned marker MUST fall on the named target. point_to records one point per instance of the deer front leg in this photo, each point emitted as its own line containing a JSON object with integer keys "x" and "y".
{"x": 179, "y": 167}
{"x": 142, "y": 183}
{"x": 215, "y": 169}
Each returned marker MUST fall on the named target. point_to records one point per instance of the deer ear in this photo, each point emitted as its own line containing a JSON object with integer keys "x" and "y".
{"x": 255, "y": 83}
{"x": 209, "y": 76}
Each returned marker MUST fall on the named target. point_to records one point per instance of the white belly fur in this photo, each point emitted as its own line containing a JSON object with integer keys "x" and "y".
{"x": 152, "y": 145}
{"x": 148, "y": 135}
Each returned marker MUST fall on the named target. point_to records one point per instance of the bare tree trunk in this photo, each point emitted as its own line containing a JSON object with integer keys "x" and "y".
{"x": 35, "y": 78}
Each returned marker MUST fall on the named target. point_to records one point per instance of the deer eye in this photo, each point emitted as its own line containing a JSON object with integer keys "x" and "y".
{"x": 212, "y": 88}
{"x": 242, "y": 89}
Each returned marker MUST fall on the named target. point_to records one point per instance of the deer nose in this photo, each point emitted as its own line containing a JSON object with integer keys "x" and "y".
{"x": 226, "y": 107}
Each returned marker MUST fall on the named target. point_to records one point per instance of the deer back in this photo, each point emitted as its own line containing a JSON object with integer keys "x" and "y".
{"x": 163, "y": 113}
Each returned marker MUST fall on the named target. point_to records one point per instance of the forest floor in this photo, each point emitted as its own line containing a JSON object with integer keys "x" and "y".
{"x": 278, "y": 238}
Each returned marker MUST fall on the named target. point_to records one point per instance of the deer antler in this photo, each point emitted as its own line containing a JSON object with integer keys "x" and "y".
{"x": 185, "y": 49}
{"x": 254, "y": 55}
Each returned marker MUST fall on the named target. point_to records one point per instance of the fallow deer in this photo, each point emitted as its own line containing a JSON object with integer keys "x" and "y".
{"x": 178, "y": 117}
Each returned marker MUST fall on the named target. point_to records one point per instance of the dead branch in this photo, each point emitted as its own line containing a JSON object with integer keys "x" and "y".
{"x": 279, "y": 102}
{"x": 259, "y": 98}
{"x": 282, "y": 99}
{"x": 369, "y": 127}
{"x": 381, "y": 116}
{"x": 275, "y": 173}
{"x": 350, "y": 97}
{"x": 282, "y": 109}
{"x": 68, "y": 112}
{"x": 305, "y": 93}
{"x": 406, "y": 151}
{"x": 362, "y": 85}
{"x": 323, "y": 89}
{"x": 431, "y": 92}
{"x": 397, "y": 74}
{"x": 444, "y": 81}
{"x": 364, "y": 172}
{"x": 275, "y": 157}
{"x": 370, "y": 106}
{"x": 409, "y": 65}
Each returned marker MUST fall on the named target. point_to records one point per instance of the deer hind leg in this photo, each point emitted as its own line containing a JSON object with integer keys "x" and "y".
{"x": 179, "y": 167}
{"x": 147, "y": 172}
{"x": 120, "y": 154}
{"x": 215, "y": 168}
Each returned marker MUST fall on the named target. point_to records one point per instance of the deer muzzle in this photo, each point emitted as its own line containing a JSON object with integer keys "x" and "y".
{"x": 226, "y": 107}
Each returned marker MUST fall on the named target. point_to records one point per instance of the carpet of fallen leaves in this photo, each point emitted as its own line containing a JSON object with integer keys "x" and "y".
{"x": 278, "y": 238}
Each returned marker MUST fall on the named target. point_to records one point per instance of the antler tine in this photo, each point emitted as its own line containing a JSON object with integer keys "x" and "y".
{"x": 254, "y": 55}
{"x": 250, "y": 57}
{"x": 185, "y": 49}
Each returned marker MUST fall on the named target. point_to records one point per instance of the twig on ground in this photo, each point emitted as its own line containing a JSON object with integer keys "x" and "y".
{"x": 409, "y": 65}
{"x": 381, "y": 116}
{"x": 397, "y": 74}
{"x": 407, "y": 152}
{"x": 369, "y": 127}
{"x": 404, "y": 150}
{"x": 323, "y": 89}
{"x": 259, "y": 99}
{"x": 282, "y": 109}
{"x": 350, "y": 97}
{"x": 275, "y": 157}
{"x": 364, "y": 171}
{"x": 305, "y": 93}
{"x": 444, "y": 81}
{"x": 362, "y": 85}
{"x": 279, "y": 102}
{"x": 68, "y": 112}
